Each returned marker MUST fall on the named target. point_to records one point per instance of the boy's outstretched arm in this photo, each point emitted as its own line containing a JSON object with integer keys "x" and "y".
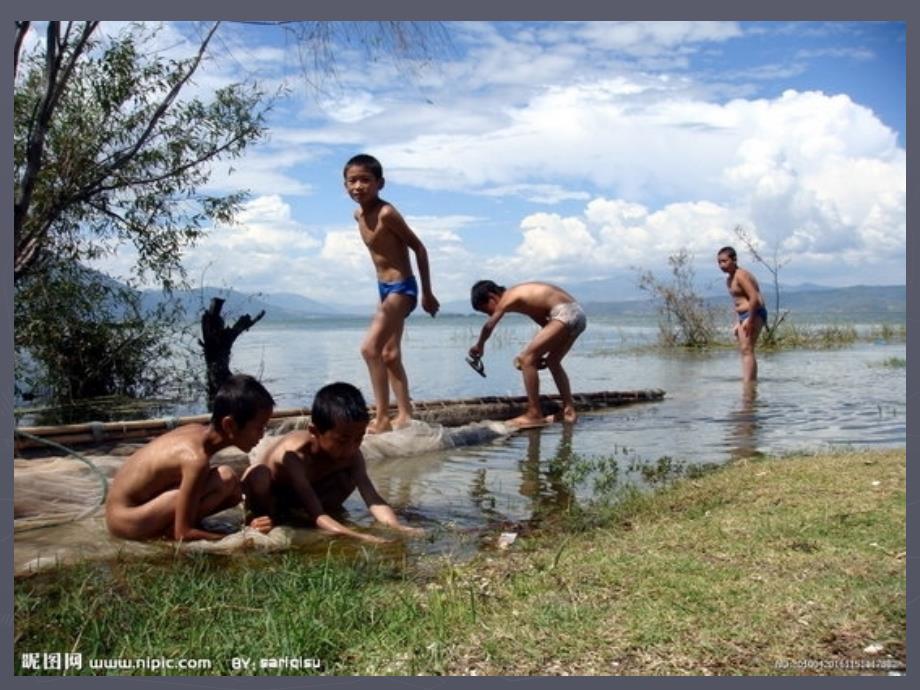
{"x": 487, "y": 328}
{"x": 378, "y": 507}
{"x": 395, "y": 223}
{"x": 314, "y": 508}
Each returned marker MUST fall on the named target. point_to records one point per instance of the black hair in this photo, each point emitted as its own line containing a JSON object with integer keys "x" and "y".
{"x": 335, "y": 403}
{"x": 481, "y": 290}
{"x": 365, "y": 161}
{"x": 240, "y": 397}
{"x": 732, "y": 254}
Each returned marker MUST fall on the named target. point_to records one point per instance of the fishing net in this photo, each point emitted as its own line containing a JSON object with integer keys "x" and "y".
{"x": 415, "y": 439}
{"x": 54, "y": 490}
{"x": 64, "y": 487}
{"x": 65, "y": 493}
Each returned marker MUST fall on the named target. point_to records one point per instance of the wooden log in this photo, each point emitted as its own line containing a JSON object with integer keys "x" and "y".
{"x": 455, "y": 412}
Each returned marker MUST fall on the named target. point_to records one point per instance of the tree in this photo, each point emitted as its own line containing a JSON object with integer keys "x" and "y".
{"x": 105, "y": 153}
{"x": 685, "y": 319}
{"x": 91, "y": 336}
{"x": 217, "y": 343}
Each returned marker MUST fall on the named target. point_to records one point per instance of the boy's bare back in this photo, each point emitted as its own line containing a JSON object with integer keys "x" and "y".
{"x": 293, "y": 453}
{"x": 534, "y": 299}
{"x": 158, "y": 466}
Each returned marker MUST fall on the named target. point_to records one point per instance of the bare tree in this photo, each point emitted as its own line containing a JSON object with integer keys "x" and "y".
{"x": 217, "y": 342}
{"x": 684, "y": 317}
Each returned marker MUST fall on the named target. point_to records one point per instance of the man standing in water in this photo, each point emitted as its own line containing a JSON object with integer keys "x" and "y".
{"x": 750, "y": 312}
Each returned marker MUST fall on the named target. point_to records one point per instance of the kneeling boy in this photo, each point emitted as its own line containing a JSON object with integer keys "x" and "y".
{"x": 167, "y": 487}
{"x": 316, "y": 469}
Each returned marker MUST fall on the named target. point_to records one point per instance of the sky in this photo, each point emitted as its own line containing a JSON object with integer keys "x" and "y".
{"x": 578, "y": 153}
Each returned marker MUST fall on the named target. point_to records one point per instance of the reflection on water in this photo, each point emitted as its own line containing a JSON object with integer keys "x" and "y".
{"x": 544, "y": 483}
{"x": 743, "y": 424}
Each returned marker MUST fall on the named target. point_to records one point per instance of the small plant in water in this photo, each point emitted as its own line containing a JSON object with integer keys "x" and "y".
{"x": 887, "y": 332}
{"x": 685, "y": 319}
{"x": 664, "y": 470}
{"x": 603, "y": 471}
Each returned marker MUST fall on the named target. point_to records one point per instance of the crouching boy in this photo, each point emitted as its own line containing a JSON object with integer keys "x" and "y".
{"x": 313, "y": 471}
{"x": 561, "y": 320}
{"x": 167, "y": 487}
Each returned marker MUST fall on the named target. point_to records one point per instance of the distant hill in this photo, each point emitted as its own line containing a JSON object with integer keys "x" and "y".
{"x": 278, "y": 306}
{"x": 865, "y": 300}
{"x": 862, "y": 300}
{"x": 859, "y": 299}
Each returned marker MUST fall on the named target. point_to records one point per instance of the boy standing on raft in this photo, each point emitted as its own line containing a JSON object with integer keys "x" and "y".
{"x": 389, "y": 239}
{"x": 561, "y": 320}
{"x": 750, "y": 312}
{"x": 313, "y": 471}
{"x": 167, "y": 487}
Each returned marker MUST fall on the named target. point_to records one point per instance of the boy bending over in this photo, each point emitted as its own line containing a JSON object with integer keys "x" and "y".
{"x": 389, "y": 239}
{"x": 167, "y": 487}
{"x": 561, "y": 320}
{"x": 315, "y": 470}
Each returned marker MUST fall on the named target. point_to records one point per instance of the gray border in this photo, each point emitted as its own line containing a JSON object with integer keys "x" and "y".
{"x": 424, "y": 9}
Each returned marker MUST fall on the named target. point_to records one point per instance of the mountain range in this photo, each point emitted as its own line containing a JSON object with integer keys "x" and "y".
{"x": 890, "y": 300}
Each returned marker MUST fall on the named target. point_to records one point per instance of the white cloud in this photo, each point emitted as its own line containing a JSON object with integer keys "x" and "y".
{"x": 352, "y": 108}
{"x": 271, "y": 170}
{"x": 605, "y": 114}
{"x": 616, "y": 235}
{"x": 651, "y": 38}
{"x": 537, "y": 193}
{"x": 345, "y": 248}
{"x": 857, "y": 53}
{"x": 264, "y": 248}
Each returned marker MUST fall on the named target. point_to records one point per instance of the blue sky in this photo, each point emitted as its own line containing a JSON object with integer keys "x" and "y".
{"x": 571, "y": 152}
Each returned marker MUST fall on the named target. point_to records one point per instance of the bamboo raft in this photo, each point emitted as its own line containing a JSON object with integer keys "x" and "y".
{"x": 446, "y": 412}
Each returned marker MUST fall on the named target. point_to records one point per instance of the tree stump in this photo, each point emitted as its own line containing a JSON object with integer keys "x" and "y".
{"x": 217, "y": 343}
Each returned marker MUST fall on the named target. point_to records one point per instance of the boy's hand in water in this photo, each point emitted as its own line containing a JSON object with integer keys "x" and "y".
{"x": 262, "y": 524}
{"x": 373, "y": 539}
{"x": 413, "y": 532}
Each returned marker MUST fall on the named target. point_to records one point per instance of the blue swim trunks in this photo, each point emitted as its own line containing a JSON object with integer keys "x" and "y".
{"x": 743, "y": 315}
{"x": 403, "y": 287}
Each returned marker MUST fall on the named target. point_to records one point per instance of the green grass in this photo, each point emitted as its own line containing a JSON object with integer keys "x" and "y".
{"x": 757, "y": 568}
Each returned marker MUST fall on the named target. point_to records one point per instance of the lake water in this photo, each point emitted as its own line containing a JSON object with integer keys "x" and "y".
{"x": 466, "y": 496}
{"x": 854, "y": 396}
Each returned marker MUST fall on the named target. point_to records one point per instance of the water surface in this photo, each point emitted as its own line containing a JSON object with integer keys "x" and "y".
{"x": 466, "y": 496}
{"x": 805, "y": 400}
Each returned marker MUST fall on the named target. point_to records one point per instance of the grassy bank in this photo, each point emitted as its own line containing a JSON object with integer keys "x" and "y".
{"x": 774, "y": 566}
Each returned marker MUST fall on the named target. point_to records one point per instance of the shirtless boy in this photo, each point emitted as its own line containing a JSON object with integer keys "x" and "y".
{"x": 561, "y": 321}
{"x": 168, "y": 486}
{"x": 750, "y": 311}
{"x": 313, "y": 471}
{"x": 389, "y": 239}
